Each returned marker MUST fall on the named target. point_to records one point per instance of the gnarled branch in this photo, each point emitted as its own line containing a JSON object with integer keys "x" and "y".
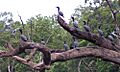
{"x": 99, "y": 52}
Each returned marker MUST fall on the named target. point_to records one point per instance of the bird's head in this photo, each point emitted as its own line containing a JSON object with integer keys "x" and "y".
{"x": 72, "y": 17}
{"x": 42, "y": 39}
{"x": 99, "y": 27}
{"x": 58, "y": 7}
{"x": 84, "y": 22}
{"x": 65, "y": 42}
{"x": 20, "y": 30}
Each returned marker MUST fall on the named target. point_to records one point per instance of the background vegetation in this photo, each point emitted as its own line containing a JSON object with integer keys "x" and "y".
{"x": 48, "y": 28}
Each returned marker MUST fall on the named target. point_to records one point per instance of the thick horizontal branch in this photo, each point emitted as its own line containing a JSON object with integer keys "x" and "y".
{"x": 51, "y": 55}
{"x": 105, "y": 54}
{"x": 100, "y": 41}
{"x": 27, "y": 45}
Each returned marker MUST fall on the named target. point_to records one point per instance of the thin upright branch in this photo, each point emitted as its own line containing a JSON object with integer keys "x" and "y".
{"x": 21, "y": 20}
{"x": 79, "y": 64}
{"x": 112, "y": 12}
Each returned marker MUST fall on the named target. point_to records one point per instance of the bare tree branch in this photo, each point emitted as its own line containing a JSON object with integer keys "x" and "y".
{"x": 51, "y": 57}
{"x": 105, "y": 54}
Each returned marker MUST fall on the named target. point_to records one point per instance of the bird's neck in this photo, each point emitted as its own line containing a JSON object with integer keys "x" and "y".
{"x": 85, "y": 24}
{"x": 73, "y": 19}
{"x": 21, "y": 33}
{"x": 58, "y": 10}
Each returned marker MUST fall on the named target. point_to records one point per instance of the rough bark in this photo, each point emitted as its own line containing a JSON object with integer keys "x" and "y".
{"x": 98, "y": 40}
{"x": 106, "y": 50}
{"x": 51, "y": 57}
{"x": 105, "y": 54}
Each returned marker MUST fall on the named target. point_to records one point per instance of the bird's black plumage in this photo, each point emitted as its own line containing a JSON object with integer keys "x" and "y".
{"x": 86, "y": 27}
{"x": 66, "y": 46}
{"x": 42, "y": 41}
{"x": 21, "y": 32}
{"x": 59, "y": 12}
{"x": 23, "y": 37}
{"x": 74, "y": 43}
{"x": 75, "y": 22}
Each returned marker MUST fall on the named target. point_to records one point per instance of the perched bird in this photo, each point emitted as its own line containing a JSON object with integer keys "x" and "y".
{"x": 59, "y": 12}
{"x": 66, "y": 46}
{"x": 75, "y": 22}
{"x": 90, "y": 3}
{"x": 14, "y": 31}
{"x": 74, "y": 43}
{"x": 23, "y": 37}
{"x": 7, "y": 27}
{"x": 42, "y": 41}
{"x": 96, "y": 1}
{"x": 86, "y": 1}
{"x": 71, "y": 46}
{"x": 86, "y": 27}
{"x": 100, "y": 31}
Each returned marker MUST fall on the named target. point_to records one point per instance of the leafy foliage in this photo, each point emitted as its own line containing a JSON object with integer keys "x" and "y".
{"x": 48, "y": 28}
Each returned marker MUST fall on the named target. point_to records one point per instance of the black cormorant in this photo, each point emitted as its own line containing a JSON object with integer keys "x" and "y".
{"x": 42, "y": 41}
{"x": 59, "y": 12}
{"x": 74, "y": 43}
{"x": 86, "y": 27}
{"x": 75, "y": 22}
{"x": 65, "y": 46}
{"x": 22, "y": 36}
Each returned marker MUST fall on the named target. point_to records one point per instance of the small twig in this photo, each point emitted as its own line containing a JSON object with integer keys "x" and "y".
{"x": 31, "y": 26}
{"x": 88, "y": 67}
{"x": 112, "y": 11}
{"x": 79, "y": 65}
{"x": 48, "y": 39}
{"x": 91, "y": 62}
{"x": 31, "y": 54}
